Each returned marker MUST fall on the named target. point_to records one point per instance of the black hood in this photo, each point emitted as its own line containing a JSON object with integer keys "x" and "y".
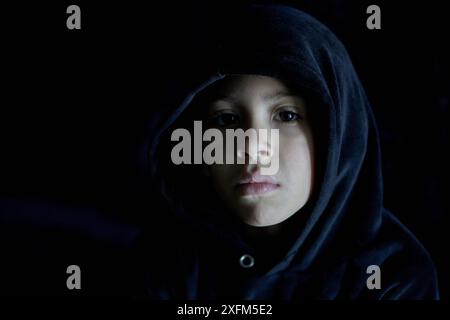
{"x": 346, "y": 217}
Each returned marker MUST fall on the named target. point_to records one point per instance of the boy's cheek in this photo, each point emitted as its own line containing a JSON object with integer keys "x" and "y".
{"x": 220, "y": 175}
{"x": 205, "y": 171}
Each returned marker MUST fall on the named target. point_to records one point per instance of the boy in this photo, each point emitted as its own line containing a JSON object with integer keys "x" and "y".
{"x": 316, "y": 229}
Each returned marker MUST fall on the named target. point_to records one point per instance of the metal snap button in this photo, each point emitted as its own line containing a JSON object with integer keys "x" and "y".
{"x": 246, "y": 261}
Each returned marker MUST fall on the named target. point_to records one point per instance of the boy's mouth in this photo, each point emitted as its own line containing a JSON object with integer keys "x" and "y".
{"x": 255, "y": 188}
{"x": 256, "y": 184}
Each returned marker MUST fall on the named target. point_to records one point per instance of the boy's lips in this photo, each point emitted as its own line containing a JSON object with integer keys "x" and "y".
{"x": 255, "y": 188}
{"x": 256, "y": 184}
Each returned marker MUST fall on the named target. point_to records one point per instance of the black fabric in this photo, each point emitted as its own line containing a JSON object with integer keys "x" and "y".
{"x": 324, "y": 250}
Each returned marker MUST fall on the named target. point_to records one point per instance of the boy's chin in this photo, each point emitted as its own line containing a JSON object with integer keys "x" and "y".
{"x": 260, "y": 219}
{"x": 261, "y": 222}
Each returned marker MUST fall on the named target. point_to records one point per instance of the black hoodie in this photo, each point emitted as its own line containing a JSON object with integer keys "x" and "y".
{"x": 326, "y": 252}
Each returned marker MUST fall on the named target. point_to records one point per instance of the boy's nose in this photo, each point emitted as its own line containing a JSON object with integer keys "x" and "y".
{"x": 257, "y": 150}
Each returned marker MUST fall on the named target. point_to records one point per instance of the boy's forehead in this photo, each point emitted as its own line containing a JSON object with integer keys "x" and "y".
{"x": 234, "y": 88}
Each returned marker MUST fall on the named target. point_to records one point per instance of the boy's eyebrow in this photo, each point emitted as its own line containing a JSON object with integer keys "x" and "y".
{"x": 224, "y": 97}
{"x": 276, "y": 95}
{"x": 265, "y": 97}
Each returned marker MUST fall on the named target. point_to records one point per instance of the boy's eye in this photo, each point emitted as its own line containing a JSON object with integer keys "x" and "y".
{"x": 287, "y": 116}
{"x": 224, "y": 120}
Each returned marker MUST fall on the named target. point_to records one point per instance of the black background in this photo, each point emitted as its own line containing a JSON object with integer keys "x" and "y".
{"x": 75, "y": 103}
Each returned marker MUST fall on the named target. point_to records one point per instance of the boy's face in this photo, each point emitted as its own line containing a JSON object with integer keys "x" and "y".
{"x": 260, "y": 102}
